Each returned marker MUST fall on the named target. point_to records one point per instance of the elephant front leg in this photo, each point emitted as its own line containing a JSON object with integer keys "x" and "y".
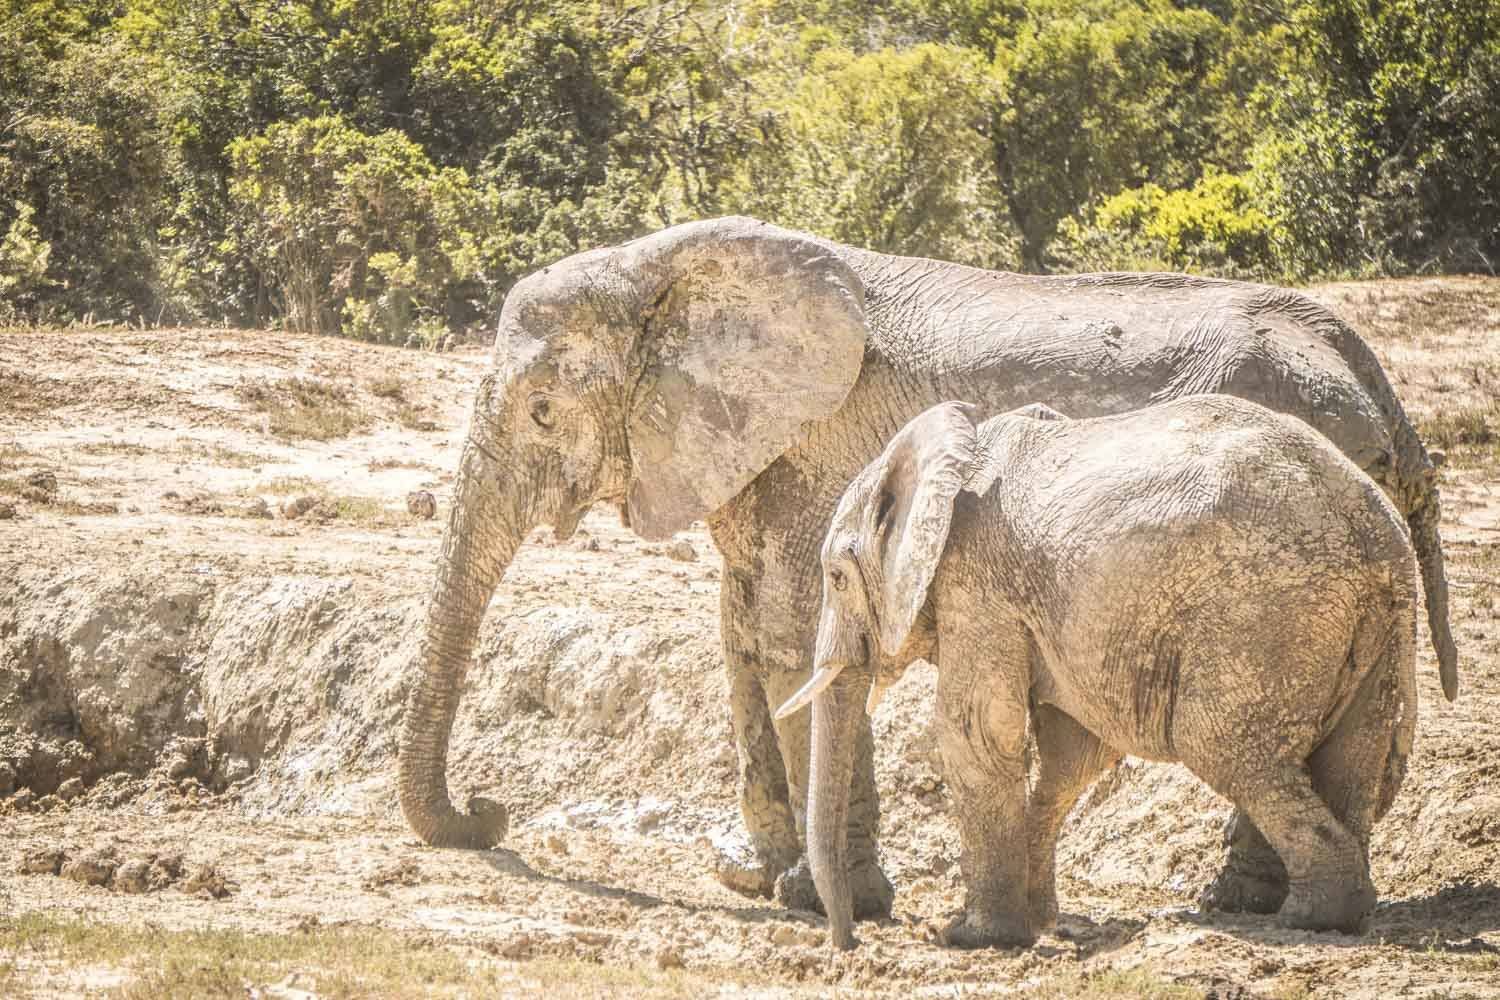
{"x": 775, "y": 841}
{"x": 981, "y": 731}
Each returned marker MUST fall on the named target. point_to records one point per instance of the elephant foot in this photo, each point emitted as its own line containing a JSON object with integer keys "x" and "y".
{"x": 872, "y": 891}
{"x": 1253, "y": 879}
{"x": 969, "y": 931}
{"x": 746, "y": 875}
{"x": 1041, "y": 909}
{"x": 1235, "y": 891}
{"x": 1329, "y": 906}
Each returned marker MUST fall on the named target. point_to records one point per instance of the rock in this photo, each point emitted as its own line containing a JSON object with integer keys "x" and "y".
{"x": 43, "y": 482}
{"x": 650, "y": 815}
{"x": 258, "y": 508}
{"x": 93, "y": 868}
{"x": 597, "y": 939}
{"x": 401, "y": 873}
{"x": 421, "y": 503}
{"x": 47, "y": 803}
{"x": 42, "y": 861}
{"x": 517, "y": 948}
{"x": 237, "y": 769}
{"x": 22, "y": 800}
{"x": 207, "y": 880}
{"x": 784, "y": 935}
{"x": 297, "y": 506}
{"x": 669, "y": 957}
{"x": 134, "y": 876}
{"x": 682, "y": 550}
{"x": 178, "y": 767}
{"x": 166, "y": 869}
{"x": 70, "y": 789}
{"x": 7, "y": 511}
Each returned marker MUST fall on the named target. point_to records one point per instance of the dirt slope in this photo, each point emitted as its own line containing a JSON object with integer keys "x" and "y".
{"x": 186, "y": 668}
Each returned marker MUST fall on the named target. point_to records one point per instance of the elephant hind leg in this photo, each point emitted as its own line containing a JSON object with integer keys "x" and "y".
{"x": 1358, "y": 769}
{"x": 1070, "y": 758}
{"x": 1327, "y": 864}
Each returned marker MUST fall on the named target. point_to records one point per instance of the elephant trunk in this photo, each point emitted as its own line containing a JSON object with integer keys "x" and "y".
{"x": 837, "y": 712}
{"x": 478, "y": 544}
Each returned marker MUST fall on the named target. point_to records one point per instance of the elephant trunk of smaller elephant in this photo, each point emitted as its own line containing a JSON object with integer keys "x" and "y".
{"x": 478, "y": 545}
{"x": 837, "y": 712}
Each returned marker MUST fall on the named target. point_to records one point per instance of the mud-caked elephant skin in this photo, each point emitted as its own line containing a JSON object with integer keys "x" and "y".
{"x": 1202, "y": 581}
{"x": 739, "y": 372}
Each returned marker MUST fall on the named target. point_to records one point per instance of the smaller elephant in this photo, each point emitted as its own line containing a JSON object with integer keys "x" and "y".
{"x": 1203, "y": 581}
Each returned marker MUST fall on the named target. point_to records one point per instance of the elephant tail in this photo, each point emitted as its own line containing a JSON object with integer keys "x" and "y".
{"x": 1397, "y": 655}
{"x": 1417, "y": 476}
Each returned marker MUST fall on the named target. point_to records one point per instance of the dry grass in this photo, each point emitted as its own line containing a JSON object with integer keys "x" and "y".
{"x": 1480, "y": 573}
{"x": 113, "y": 448}
{"x": 304, "y": 408}
{"x": 1418, "y": 312}
{"x": 13, "y": 455}
{"x": 387, "y": 387}
{"x": 1140, "y": 983}
{"x": 324, "y": 505}
{"x": 331, "y": 962}
{"x": 409, "y": 413}
{"x": 1468, "y": 431}
{"x": 285, "y": 486}
{"x": 415, "y": 418}
{"x": 381, "y": 464}
{"x": 223, "y": 455}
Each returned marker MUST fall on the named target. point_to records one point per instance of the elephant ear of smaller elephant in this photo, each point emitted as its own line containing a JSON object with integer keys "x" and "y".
{"x": 920, "y": 474}
{"x": 758, "y": 332}
{"x": 995, "y": 438}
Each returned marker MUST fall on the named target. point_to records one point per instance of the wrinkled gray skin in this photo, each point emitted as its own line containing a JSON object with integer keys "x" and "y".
{"x": 1203, "y": 581}
{"x": 743, "y": 373}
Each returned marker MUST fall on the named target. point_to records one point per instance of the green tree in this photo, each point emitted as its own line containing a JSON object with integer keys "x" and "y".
{"x": 884, "y": 150}
{"x": 1098, "y": 97}
{"x": 352, "y": 231}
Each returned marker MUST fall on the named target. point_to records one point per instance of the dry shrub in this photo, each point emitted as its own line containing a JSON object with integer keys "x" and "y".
{"x": 301, "y": 407}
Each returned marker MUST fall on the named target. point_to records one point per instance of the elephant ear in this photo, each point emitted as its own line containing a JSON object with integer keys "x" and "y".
{"x": 918, "y": 477}
{"x": 992, "y": 452}
{"x": 752, "y": 332}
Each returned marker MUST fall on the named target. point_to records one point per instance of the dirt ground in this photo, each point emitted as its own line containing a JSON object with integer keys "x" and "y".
{"x": 212, "y": 586}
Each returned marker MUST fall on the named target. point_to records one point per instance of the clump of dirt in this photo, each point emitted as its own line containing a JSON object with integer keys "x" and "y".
{"x": 135, "y": 875}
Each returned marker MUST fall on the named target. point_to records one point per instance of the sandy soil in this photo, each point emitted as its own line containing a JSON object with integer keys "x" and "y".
{"x": 187, "y": 670}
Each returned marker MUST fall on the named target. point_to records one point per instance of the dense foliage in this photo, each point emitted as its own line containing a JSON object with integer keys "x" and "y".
{"x": 388, "y": 168}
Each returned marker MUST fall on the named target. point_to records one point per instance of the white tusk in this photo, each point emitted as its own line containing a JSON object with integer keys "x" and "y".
{"x": 877, "y": 691}
{"x": 821, "y": 678}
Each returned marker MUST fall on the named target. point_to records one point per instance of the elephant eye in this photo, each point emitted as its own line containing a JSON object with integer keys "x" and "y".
{"x": 837, "y": 578}
{"x": 541, "y": 411}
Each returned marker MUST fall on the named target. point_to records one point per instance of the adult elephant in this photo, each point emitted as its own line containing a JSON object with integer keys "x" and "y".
{"x": 743, "y": 373}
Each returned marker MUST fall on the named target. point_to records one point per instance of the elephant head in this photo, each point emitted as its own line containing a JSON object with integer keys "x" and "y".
{"x": 879, "y": 559}
{"x": 662, "y": 375}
